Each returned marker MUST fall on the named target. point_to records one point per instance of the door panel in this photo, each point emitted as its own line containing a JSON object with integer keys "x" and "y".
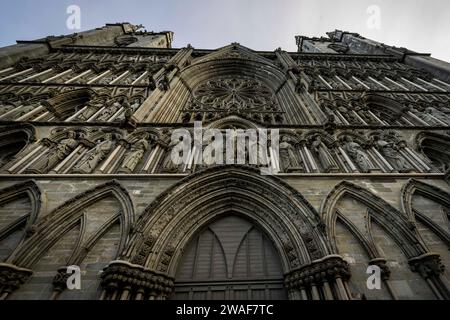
{"x": 230, "y": 259}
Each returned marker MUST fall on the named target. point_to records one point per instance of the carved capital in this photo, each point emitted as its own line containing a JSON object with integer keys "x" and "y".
{"x": 12, "y": 277}
{"x": 428, "y": 265}
{"x": 121, "y": 274}
{"x": 60, "y": 279}
{"x": 381, "y": 263}
{"x": 328, "y": 268}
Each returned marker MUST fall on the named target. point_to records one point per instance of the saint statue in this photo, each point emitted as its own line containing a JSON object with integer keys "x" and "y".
{"x": 391, "y": 154}
{"x": 288, "y": 159}
{"x": 168, "y": 164}
{"x": 357, "y": 154}
{"x": 135, "y": 155}
{"x": 58, "y": 152}
{"x": 93, "y": 157}
{"x": 429, "y": 116}
{"x": 326, "y": 160}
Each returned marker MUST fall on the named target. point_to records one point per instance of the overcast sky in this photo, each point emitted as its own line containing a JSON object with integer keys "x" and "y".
{"x": 421, "y": 25}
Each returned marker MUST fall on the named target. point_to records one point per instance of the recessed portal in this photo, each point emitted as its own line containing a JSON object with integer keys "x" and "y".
{"x": 230, "y": 259}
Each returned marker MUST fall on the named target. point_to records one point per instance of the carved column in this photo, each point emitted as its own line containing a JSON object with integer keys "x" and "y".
{"x": 125, "y": 281}
{"x": 385, "y": 274}
{"x": 294, "y": 81}
{"x": 11, "y": 278}
{"x": 429, "y": 266}
{"x": 59, "y": 282}
{"x": 319, "y": 278}
{"x": 162, "y": 79}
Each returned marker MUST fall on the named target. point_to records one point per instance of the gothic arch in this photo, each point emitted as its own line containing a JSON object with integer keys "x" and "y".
{"x": 391, "y": 110}
{"x": 233, "y": 121}
{"x": 242, "y": 64}
{"x": 64, "y": 104}
{"x": 53, "y": 226}
{"x": 433, "y": 193}
{"x": 435, "y": 147}
{"x": 369, "y": 248}
{"x": 167, "y": 225}
{"x": 29, "y": 189}
{"x": 389, "y": 218}
{"x": 13, "y": 140}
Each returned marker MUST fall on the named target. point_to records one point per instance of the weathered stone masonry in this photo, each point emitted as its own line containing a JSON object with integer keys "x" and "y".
{"x": 86, "y": 177}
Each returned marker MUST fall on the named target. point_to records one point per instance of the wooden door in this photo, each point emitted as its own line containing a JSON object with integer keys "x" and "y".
{"x": 230, "y": 259}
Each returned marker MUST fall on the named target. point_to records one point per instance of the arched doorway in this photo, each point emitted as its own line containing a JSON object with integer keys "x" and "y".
{"x": 230, "y": 259}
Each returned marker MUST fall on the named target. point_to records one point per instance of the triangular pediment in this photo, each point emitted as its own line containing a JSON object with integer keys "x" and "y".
{"x": 233, "y": 51}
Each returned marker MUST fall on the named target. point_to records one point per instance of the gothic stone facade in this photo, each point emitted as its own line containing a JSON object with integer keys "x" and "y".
{"x": 86, "y": 177}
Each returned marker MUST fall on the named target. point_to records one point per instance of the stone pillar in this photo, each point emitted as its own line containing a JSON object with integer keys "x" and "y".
{"x": 162, "y": 80}
{"x": 385, "y": 274}
{"x": 429, "y": 266}
{"x": 59, "y": 283}
{"x": 318, "y": 277}
{"x": 11, "y": 278}
{"x": 125, "y": 280}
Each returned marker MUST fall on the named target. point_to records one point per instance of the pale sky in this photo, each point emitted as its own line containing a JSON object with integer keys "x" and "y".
{"x": 420, "y": 25}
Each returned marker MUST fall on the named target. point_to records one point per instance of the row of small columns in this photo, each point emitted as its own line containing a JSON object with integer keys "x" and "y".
{"x": 122, "y": 280}
{"x": 396, "y": 84}
{"x": 323, "y": 279}
{"x": 75, "y": 77}
{"x": 11, "y": 278}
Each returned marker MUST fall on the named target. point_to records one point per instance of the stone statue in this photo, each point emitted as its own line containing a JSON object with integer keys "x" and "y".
{"x": 92, "y": 158}
{"x": 136, "y": 104}
{"x": 135, "y": 155}
{"x": 391, "y": 154}
{"x": 58, "y": 152}
{"x": 326, "y": 160}
{"x": 107, "y": 79}
{"x": 357, "y": 154}
{"x": 89, "y": 111}
{"x": 288, "y": 159}
{"x": 109, "y": 111}
{"x": 131, "y": 109}
{"x": 429, "y": 116}
{"x": 168, "y": 165}
{"x": 4, "y": 108}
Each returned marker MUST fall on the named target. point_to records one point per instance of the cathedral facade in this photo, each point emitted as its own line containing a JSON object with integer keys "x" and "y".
{"x": 356, "y": 192}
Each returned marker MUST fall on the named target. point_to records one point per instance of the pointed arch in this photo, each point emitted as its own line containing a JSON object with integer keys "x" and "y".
{"x": 428, "y": 191}
{"x": 61, "y": 220}
{"x": 28, "y": 189}
{"x": 65, "y": 104}
{"x": 365, "y": 243}
{"x": 14, "y": 139}
{"x": 435, "y": 147}
{"x": 269, "y": 98}
{"x": 389, "y": 218}
{"x": 389, "y": 109}
{"x": 167, "y": 225}
{"x": 233, "y": 121}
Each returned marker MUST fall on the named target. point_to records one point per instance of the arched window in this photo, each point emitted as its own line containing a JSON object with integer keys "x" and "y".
{"x": 12, "y": 141}
{"x": 436, "y": 147}
{"x": 68, "y": 103}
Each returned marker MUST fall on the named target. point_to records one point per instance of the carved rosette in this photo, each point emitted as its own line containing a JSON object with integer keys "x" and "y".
{"x": 125, "y": 281}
